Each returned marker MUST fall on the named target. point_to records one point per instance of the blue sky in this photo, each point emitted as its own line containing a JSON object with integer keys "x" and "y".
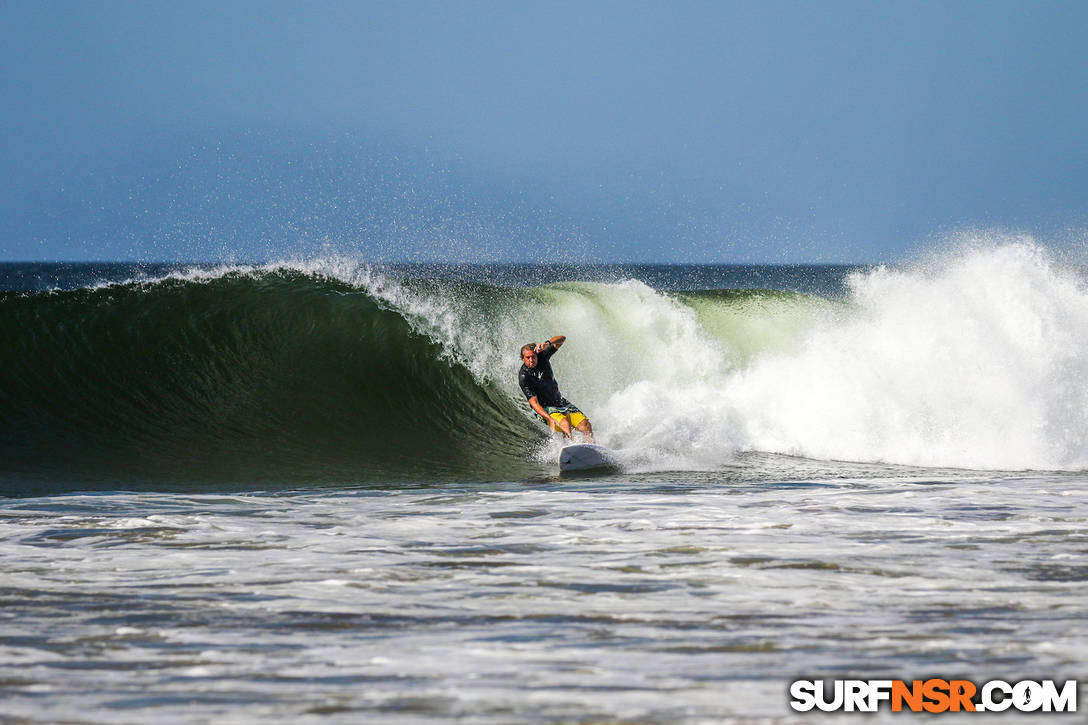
{"x": 552, "y": 131}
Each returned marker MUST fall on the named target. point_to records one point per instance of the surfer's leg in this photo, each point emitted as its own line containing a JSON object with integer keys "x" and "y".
{"x": 582, "y": 424}
{"x": 562, "y": 422}
{"x": 565, "y": 427}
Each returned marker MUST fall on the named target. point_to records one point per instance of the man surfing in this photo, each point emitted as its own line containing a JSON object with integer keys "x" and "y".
{"x": 538, "y": 383}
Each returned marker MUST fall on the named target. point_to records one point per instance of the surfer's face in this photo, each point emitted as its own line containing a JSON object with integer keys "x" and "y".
{"x": 529, "y": 358}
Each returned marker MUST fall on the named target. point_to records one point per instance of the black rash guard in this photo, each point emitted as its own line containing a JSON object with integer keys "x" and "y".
{"x": 540, "y": 381}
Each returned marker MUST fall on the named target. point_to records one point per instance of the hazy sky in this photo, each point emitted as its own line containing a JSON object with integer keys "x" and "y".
{"x": 545, "y": 131}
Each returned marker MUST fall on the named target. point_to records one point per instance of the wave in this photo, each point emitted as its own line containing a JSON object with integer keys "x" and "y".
{"x": 332, "y": 371}
{"x": 260, "y": 377}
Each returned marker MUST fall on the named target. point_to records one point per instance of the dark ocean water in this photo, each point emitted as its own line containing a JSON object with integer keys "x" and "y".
{"x": 311, "y": 491}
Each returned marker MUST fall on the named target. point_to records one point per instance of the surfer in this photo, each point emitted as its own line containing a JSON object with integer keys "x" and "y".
{"x": 538, "y": 383}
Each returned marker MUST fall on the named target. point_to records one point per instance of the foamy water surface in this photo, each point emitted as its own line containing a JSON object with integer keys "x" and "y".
{"x": 677, "y": 598}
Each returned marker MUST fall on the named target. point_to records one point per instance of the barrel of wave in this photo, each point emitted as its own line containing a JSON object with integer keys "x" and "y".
{"x": 648, "y": 367}
{"x": 625, "y": 343}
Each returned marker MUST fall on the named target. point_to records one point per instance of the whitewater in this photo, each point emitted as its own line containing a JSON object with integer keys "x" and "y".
{"x": 974, "y": 360}
{"x": 311, "y": 491}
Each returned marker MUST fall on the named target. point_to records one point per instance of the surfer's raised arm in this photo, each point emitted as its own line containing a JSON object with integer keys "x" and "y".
{"x": 555, "y": 342}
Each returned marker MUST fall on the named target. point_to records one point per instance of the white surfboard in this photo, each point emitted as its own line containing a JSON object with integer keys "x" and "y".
{"x": 587, "y": 457}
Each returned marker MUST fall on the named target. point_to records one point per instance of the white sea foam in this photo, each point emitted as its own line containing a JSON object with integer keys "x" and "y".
{"x": 975, "y": 360}
{"x": 534, "y": 604}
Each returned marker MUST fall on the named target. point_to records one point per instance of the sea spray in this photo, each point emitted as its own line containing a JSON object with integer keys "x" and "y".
{"x": 977, "y": 360}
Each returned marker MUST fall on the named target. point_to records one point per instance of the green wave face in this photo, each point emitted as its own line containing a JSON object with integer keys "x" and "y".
{"x": 266, "y": 379}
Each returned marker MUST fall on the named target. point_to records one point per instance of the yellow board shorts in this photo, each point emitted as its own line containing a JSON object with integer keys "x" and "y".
{"x": 558, "y": 414}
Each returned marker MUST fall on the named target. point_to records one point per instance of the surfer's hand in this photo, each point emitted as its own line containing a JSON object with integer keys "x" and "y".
{"x": 542, "y": 346}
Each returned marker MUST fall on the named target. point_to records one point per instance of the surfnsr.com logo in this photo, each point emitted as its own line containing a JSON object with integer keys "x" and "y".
{"x": 933, "y": 695}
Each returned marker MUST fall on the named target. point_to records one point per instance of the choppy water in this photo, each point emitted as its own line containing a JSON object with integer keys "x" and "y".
{"x": 665, "y": 598}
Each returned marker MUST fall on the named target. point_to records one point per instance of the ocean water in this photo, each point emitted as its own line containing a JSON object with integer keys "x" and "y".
{"x": 310, "y": 491}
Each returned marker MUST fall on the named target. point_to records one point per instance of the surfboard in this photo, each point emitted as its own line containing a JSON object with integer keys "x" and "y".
{"x": 587, "y": 457}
